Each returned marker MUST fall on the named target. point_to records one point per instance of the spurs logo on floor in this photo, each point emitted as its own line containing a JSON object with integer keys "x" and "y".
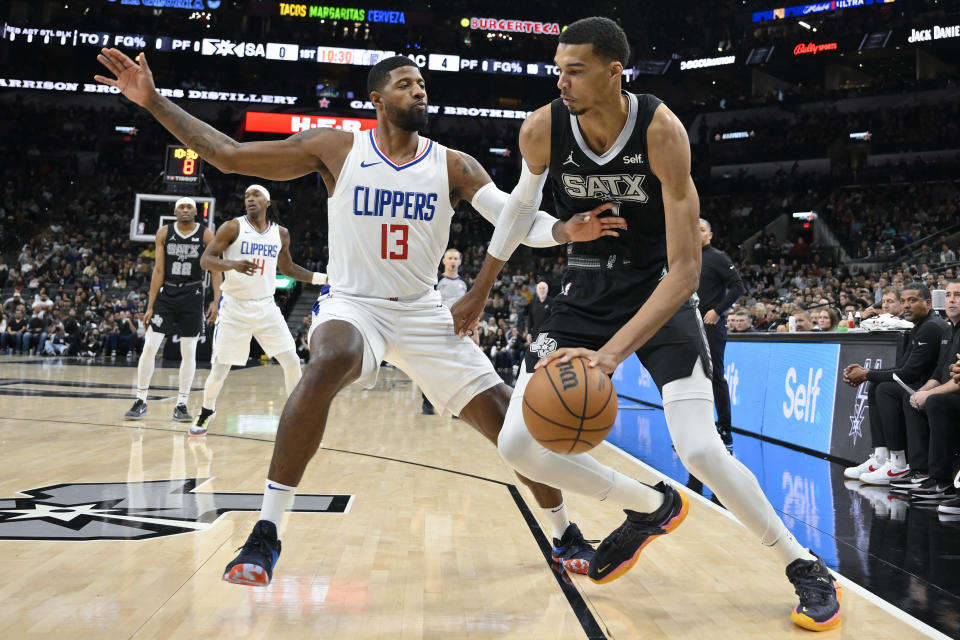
{"x": 132, "y": 510}
{"x": 543, "y": 345}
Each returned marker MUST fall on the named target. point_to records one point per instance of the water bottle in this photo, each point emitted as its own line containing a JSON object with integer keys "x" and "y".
{"x": 856, "y": 319}
{"x": 792, "y": 324}
{"x": 849, "y": 320}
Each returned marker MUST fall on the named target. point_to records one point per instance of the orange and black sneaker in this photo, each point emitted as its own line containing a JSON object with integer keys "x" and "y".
{"x": 819, "y": 608}
{"x": 573, "y": 551}
{"x": 258, "y": 556}
{"x": 620, "y": 550}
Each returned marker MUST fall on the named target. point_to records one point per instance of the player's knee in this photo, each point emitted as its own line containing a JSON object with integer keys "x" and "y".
{"x": 333, "y": 363}
{"x": 516, "y": 446}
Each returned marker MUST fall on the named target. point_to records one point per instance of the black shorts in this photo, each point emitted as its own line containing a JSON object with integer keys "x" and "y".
{"x": 179, "y": 311}
{"x": 596, "y": 302}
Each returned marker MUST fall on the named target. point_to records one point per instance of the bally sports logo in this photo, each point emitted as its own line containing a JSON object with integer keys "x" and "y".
{"x": 814, "y": 48}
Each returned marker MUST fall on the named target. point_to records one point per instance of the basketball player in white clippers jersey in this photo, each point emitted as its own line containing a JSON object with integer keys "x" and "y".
{"x": 634, "y": 293}
{"x": 253, "y": 250}
{"x": 391, "y": 199}
{"x": 175, "y": 306}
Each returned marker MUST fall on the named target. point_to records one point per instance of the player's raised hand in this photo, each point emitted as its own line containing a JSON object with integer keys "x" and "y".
{"x": 135, "y": 81}
{"x": 589, "y": 225}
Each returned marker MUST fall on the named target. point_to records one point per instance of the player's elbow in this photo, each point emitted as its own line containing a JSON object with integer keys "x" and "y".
{"x": 687, "y": 276}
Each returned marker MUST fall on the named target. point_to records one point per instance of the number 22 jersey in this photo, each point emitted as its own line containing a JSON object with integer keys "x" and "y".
{"x": 389, "y": 223}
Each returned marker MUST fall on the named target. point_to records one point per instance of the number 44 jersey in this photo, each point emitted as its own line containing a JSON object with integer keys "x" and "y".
{"x": 389, "y": 223}
{"x": 260, "y": 248}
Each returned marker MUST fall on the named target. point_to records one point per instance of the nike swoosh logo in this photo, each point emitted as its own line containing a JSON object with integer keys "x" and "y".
{"x": 891, "y": 474}
{"x": 270, "y": 486}
{"x": 364, "y": 165}
{"x": 604, "y": 567}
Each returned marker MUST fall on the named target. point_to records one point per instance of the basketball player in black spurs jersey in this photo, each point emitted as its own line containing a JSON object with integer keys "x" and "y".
{"x": 634, "y": 293}
{"x": 175, "y": 306}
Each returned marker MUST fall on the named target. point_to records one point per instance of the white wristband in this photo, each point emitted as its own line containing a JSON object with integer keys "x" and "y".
{"x": 319, "y": 278}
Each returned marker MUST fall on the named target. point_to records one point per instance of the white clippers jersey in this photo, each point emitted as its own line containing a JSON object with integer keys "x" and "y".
{"x": 261, "y": 248}
{"x": 388, "y": 223}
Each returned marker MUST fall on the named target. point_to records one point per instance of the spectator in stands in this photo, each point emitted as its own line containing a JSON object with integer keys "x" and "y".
{"x": 760, "y": 321}
{"x": 742, "y": 322}
{"x": 4, "y": 272}
{"x": 889, "y": 303}
{"x": 885, "y": 397}
{"x": 828, "y": 319}
{"x": 804, "y": 321}
{"x": 30, "y": 339}
{"x": 16, "y": 327}
{"x": 42, "y": 303}
{"x": 10, "y": 304}
{"x": 303, "y": 347}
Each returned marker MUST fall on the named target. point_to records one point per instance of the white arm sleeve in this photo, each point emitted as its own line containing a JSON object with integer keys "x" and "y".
{"x": 518, "y": 214}
{"x": 489, "y": 201}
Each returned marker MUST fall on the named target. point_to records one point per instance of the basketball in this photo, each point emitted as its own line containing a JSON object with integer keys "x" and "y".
{"x": 569, "y": 407}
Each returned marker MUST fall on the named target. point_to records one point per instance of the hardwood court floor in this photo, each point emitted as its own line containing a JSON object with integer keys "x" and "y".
{"x": 434, "y": 544}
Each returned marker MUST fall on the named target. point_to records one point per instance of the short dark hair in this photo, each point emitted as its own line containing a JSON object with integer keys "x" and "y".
{"x": 380, "y": 72}
{"x": 920, "y": 288}
{"x": 606, "y": 36}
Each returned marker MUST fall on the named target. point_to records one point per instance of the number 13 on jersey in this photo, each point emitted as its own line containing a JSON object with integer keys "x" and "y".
{"x": 393, "y": 241}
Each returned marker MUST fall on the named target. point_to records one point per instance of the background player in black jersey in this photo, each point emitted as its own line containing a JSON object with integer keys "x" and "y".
{"x": 630, "y": 294}
{"x": 175, "y": 306}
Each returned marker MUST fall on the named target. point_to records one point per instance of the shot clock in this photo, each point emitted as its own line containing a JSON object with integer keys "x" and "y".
{"x": 182, "y": 167}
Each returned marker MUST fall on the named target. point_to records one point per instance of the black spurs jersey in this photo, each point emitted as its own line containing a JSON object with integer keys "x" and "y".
{"x": 182, "y": 263}
{"x": 582, "y": 180}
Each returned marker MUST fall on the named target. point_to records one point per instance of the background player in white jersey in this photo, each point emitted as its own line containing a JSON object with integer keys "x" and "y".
{"x": 175, "y": 306}
{"x": 635, "y": 293}
{"x": 391, "y": 200}
{"x": 253, "y": 249}
{"x": 451, "y": 287}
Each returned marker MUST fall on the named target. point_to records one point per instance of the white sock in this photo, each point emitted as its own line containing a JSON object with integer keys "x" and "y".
{"x": 881, "y": 454}
{"x": 557, "y": 517}
{"x": 151, "y": 345}
{"x": 277, "y": 498}
{"x": 899, "y": 459}
{"x": 188, "y": 367}
{"x": 632, "y": 494}
{"x": 142, "y": 394}
{"x": 788, "y": 549}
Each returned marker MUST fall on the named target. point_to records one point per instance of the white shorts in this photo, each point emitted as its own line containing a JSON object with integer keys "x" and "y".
{"x": 417, "y": 337}
{"x": 239, "y": 320}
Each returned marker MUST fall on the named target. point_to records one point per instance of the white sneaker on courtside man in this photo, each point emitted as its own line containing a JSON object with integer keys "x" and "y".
{"x": 888, "y": 471}
{"x": 854, "y": 473}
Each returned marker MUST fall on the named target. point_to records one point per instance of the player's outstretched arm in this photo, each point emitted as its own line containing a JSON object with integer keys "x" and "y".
{"x": 296, "y": 156}
{"x": 516, "y": 219}
{"x": 288, "y": 267}
{"x": 669, "y": 152}
{"x": 469, "y": 181}
{"x": 211, "y": 259}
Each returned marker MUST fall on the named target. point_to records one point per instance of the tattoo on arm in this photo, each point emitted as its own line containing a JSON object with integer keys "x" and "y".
{"x": 200, "y": 136}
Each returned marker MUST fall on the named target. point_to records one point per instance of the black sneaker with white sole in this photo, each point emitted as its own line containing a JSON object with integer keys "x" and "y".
{"x": 180, "y": 413}
{"x": 934, "y": 489}
{"x": 137, "y": 411}
{"x": 950, "y": 507}
{"x": 912, "y": 480}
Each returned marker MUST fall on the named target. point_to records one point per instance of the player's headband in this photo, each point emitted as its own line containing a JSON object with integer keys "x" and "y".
{"x": 263, "y": 190}
{"x": 185, "y": 200}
